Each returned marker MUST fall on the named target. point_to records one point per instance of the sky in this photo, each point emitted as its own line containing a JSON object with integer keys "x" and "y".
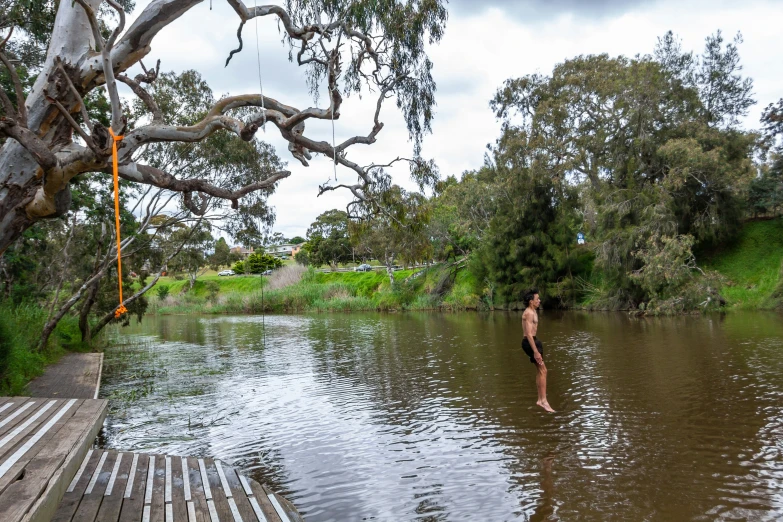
{"x": 485, "y": 43}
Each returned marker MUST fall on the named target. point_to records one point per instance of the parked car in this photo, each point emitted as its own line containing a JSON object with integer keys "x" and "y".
{"x": 364, "y": 267}
{"x": 226, "y": 273}
{"x": 266, "y": 272}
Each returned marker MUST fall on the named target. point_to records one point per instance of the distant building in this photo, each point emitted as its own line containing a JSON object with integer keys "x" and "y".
{"x": 287, "y": 250}
{"x": 244, "y": 252}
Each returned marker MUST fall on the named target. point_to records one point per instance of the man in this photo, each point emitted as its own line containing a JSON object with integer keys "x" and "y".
{"x": 532, "y": 346}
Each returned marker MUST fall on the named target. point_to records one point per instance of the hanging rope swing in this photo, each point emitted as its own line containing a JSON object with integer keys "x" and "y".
{"x": 258, "y": 63}
{"x": 121, "y": 309}
{"x": 334, "y": 149}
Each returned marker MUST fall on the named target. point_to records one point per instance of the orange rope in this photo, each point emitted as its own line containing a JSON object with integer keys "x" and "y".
{"x": 121, "y": 310}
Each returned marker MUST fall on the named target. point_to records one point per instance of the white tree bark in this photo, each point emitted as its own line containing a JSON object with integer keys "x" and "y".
{"x": 39, "y": 157}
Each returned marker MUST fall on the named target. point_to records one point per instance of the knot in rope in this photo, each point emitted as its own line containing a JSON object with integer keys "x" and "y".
{"x": 115, "y": 168}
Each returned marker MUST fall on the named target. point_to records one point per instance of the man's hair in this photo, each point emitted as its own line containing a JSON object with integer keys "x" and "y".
{"x": 529, "y": 295}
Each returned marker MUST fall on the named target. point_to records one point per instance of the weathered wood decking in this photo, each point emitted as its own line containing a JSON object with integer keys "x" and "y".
{"x": 74, "y": 376}
{"x": 42, "y": 443}
{"x": 48, "y": 471}
{"x": 136, "y": 487}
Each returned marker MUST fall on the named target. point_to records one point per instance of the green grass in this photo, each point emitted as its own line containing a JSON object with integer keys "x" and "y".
{"x": 20, "y": 331}
{"x": 242, "y": 284}
{"x": 329, "y": 291}
{"x": 752, "y": 264}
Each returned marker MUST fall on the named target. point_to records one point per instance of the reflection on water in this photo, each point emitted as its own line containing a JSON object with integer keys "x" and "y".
{"x": 432, "y": 416}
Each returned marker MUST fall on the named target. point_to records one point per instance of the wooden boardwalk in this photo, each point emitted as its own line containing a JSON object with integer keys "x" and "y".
{"x": 49, "y": 473}
{"x": 136, "y": 487}
{"x": 42, "y": 444}
{"x": 74, "y": 376}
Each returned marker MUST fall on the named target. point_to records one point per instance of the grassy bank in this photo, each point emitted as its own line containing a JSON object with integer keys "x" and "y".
{"x": 20, "y": 331}
{"x": 295, "y": 289}
{"x": 752, "y": 265}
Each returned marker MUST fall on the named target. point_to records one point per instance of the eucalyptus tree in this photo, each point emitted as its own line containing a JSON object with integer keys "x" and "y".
{"x": 50, "y": 137}
{"x": 651, "y": 144}
{"x": 399, "y": 235}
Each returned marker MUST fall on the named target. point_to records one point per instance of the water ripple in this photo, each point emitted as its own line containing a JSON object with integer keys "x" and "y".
{"x": 432, "y": 416}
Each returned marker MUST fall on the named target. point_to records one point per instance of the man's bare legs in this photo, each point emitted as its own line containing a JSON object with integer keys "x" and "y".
{"x": 541, "y": 386}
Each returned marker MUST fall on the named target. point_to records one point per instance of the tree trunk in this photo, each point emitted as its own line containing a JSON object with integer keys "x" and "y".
{"x": 84, "y": 324}
{"x": 389, "y": 260}
{"x": 19, "y": 172}
{"x": 52, "y": 323}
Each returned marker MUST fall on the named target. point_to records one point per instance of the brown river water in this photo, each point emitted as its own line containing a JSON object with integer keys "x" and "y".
{"x": 432, "y": 416}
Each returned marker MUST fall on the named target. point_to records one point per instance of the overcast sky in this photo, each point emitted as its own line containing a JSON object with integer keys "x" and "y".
{"x": 485, "y": 43}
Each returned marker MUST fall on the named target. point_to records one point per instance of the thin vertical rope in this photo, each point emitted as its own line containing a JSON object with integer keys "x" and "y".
{"x": 121, "y": 308}
{"x": 258, "y": 60}
{"x": 334, "y": 149}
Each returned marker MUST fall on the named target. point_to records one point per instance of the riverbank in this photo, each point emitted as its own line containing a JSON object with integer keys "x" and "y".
{"x": 296, "y": 289}
{"x": 750, "y": 266}
{"x": 20, "y": 333}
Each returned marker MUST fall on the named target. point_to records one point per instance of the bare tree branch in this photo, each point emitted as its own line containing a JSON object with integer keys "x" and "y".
{"x": 20, "y": 99}
{"x": 152, "y": 176}
{"x": 75, "y": 92}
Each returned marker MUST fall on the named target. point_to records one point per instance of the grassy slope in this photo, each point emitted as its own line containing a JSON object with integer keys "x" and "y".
{"x": 338, "y": 291}
{"x": 752, "y": 263}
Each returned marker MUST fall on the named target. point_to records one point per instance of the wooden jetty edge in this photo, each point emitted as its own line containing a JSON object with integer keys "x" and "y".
{"x": 50, "y": 471}
{"x": 42, "y": 444}
{"x": 113, "y": 486}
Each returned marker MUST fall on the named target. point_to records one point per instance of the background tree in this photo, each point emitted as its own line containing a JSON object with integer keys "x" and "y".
{"x": 328, "y": 241}
{"x": 258, "y": 263}
{"x": 399, "y": 234}
{"x": 191, "y": 258}
{"x": 221, "y": 256}
{"x": 649, "y": 143}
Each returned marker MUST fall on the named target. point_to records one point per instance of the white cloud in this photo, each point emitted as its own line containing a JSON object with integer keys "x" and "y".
{"x": 477, "y": 54}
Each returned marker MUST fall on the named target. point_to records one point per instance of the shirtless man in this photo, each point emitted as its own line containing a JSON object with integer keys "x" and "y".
{"x": 532, "y": 346}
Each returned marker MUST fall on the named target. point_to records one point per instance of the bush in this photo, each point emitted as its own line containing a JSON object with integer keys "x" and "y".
{"x": 162, "y": 291}
{"x": 286, "y": 276}
{"x": 5, "y": 347}
{"x": 213, "y": 288}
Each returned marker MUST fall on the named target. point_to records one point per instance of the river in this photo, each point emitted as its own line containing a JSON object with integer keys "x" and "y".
{"x": 432, "y": 416}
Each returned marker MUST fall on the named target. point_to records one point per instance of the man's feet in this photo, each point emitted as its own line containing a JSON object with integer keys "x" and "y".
{"x": 544, "y": 404}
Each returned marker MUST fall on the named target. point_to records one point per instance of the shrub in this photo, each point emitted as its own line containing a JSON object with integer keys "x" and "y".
{"x": 162, "y": 291}
{"x": 213, "y": 288}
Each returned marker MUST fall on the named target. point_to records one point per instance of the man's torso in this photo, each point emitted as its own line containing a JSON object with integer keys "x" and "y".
{"x": 530, "y": 322}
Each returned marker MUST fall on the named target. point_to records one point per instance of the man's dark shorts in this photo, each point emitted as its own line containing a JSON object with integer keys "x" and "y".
{"x": 529, "y": 350}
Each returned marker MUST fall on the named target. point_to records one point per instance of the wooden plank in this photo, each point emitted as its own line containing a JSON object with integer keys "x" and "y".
{"x": 284, "y": 509}
{"x": 6, "y": 403}
{"x": 179, "y": 507}
{"x": 93, "y": 495}
{"x": 18, "y": 418}
{"x": 157, "y": 506}
{"x": 60, "y": 459}
{"x": 232, "y": 484}
{"x": 251, "y": 498}
{"x": 75, "y": 375}
{"x": 114, "y": 472}
{"x": 198, "y": 497}
{"x": 263, "y": 501}
{"x": 38, "y": 415}
{"x": 17, "y": 408}
{"x": 13, "y": 464}
{"x": 115, "y": 491}
{"x": 70, "y": 502}
{"x": 219, "y": 499}
{"x": 133, "y": 500}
